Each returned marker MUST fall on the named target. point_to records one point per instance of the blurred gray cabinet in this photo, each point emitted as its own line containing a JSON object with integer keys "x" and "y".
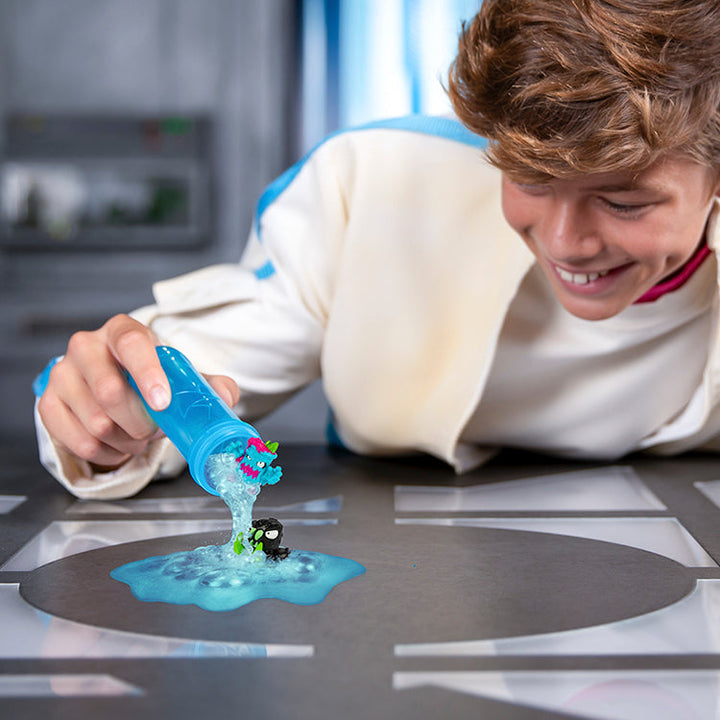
{"x": 232, "y": 60}
{"x": 150, "y": 55}
{"x": 120, "y": 54}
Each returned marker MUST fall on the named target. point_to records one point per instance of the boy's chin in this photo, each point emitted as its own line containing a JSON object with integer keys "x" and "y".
{"x": 592, "y": 309}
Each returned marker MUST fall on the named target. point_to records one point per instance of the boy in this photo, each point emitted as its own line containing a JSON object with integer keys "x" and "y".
{"x": 561, "y": 297}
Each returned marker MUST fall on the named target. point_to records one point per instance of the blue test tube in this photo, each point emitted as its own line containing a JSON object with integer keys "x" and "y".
{"x": 197, "y": 421}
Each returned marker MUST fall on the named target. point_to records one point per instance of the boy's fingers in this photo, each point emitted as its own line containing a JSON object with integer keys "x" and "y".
{"x": 76, "y": 420}
{"x": 96, "y": 390}
{"x": 69, "y": 433}
{"x": 133, "y": 346}
{"x": 89, "y": 408}
{"x": 225, "y": 387}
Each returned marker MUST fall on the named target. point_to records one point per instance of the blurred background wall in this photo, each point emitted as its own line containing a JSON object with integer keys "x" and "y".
{"x": 137, "y": 135}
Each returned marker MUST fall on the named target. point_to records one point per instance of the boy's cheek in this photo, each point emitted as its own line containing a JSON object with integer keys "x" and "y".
{"x": 514, "y": 215}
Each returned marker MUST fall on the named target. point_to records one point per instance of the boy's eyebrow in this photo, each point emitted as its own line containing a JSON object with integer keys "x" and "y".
{"x": 619, "y": 187}
{"x": 627, "y": 186}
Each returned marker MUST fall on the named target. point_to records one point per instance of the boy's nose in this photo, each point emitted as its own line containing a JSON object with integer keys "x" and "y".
{"x": 568, "y": 233}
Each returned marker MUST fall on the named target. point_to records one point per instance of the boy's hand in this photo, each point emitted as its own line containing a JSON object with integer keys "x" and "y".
{"x": 88, "y": 406}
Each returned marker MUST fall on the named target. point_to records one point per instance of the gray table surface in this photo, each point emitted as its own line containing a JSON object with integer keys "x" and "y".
{"x": 464, "y": 609}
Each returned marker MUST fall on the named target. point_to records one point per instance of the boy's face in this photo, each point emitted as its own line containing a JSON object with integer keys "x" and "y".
{"x": 604, "y": 240}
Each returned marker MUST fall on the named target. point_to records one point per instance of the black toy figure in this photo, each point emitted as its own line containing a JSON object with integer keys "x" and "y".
{"x": 266, "y": 536}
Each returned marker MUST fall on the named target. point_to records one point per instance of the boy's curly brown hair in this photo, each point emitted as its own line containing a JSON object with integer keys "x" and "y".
{"x": 561, "y": 87}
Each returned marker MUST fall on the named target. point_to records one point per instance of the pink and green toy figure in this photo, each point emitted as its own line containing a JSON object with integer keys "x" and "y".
{"x": 204, "y": 428}
{"x": 254, "y": 461}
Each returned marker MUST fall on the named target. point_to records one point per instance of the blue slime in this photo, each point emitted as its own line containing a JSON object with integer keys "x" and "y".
{"x": 215, "y": 577}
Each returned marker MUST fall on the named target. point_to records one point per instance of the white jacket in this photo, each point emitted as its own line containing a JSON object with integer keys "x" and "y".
{"x": 382, "y": 263}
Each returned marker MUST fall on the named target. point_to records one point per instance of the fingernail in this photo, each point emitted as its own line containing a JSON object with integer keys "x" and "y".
{"x": 160, "y": 397}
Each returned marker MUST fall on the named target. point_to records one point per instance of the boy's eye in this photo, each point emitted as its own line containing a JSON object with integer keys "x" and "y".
{"x": 261, "y": 464}
{"x": 531, "y": 189}
{"x": 624, "y": 208}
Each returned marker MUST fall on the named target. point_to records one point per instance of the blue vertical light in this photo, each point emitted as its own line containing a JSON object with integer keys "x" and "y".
{"x": 314, "y": 73}
{"x": 355, "y": 35}
{"x": 333, "y": 73}
{"x": 412, "y": 43}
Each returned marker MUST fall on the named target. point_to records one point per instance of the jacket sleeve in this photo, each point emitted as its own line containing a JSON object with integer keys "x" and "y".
{"x": 260, "y": 321}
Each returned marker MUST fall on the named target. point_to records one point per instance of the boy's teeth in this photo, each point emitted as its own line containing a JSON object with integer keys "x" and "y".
{"x": 580, "y": 278}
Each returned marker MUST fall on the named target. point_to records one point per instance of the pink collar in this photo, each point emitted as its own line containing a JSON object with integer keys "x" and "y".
{"x": 678, "y": 279}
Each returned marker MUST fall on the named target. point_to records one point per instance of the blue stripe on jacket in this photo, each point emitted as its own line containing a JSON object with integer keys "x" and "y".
{"x": 442, "y": 127}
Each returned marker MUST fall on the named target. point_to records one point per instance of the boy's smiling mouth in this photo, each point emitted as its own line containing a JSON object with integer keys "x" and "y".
{"x": 593, "y": 282}
{"x": 578, "y": 278}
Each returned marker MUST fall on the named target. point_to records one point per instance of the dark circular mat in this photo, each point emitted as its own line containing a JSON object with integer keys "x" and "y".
{"x": 423, "y": 584}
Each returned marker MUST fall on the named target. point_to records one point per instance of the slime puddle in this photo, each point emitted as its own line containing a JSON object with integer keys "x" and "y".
{"x": 226, "y": 577}
{"x": 213, "y": 579}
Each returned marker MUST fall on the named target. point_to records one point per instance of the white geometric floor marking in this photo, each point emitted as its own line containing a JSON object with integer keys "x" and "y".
{"x": 321, "y": 505}
{"x": 663, "y": 535}
{"x": 689, "y": 626}
{"x": 711, "y": 490}
{"x": 600, "y": 490}
{"x": 28, "y": 633}
{"x": 195, "y": 504}
{"x": 600, "y": 695}
{"x": 10, "y": 502}
{"x": 68, "y": 537}
{"x": 63, "y": 538}
{"x": 64, "y": 685}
